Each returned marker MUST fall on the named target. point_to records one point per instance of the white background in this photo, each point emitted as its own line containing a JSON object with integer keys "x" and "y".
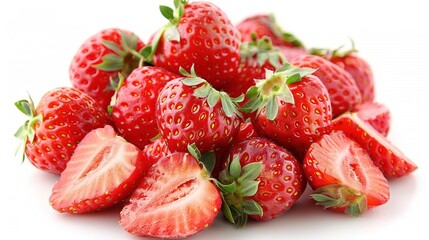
{"x": 39, "y": 39}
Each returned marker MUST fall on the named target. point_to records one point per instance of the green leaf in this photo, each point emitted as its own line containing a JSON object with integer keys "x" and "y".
{"x": 227, "y": 105}
{"x": 301, "y": 71}
{"x": 272, "y": 108}
{"x": 249, "y": 188}
{"x": 250, "y": 172}
{"x": 241, "y": 220}
{"x": 252, "y": 207}
{"x": 194, "y": 81}
{"x": 238, "y": 99}
{"x": 203, "y": 91}
{"x": 112, "y": 46}
{"x": 227, "y": 188}
{"x": 208, "y": 159}
{"x": 293, "y": 78}
{"x": 110, "y": 62}
{"x": 226, "y": 210}
{"x": 235, "y": 167}
{"x": 128, "y": 41}
{"x": 252, "y": 92}
{"x": 325, "y": 201}
{"x": 213, "y": 98}
{"x": 25, "y": 107}
{"x": 286, "y": 66}
{"x": 146, "y": 51}
{"x": 194, "y": 151}
{"x": 166, "y": 11}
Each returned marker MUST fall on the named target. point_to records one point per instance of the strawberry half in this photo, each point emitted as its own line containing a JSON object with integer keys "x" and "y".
{"x": 391, "y": 161}
{"x": 174, "y": 200}
{"x": 343, "y": 176}
{"x": 103, "y": 170}
{"x": 376, "y": 114}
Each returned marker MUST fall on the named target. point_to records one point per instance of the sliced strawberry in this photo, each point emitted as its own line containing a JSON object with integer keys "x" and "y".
{"x": 174, "y": 200}
{"x": 376, "y": 114}
{"x": 391, "y": 161}
{"x": 103, "y": 170}
{"x": 343, "y": 175}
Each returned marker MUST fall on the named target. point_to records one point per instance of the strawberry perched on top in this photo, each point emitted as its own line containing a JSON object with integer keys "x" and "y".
{"x": 391, "y": 161}
{"x": 292, "y": 108}
{"x": 343, "y": 176}
{"x": 60, "y": 121}
{"x": 103, "y": 171}
{"x": 133, "y": 109}
{"x": 174, "y": 200}
{"x": 257, "y": 56}
{"x": 343, "y": 91}
{"x": 189, "y": 110}
{"x": 99, "y": 60}
{"x": 259, "y": 179}
{"x": 198, "y": 34}
{"x": 354, "y": 64}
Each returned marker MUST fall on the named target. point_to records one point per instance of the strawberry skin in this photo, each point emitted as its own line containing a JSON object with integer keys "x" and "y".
{"x": 208, "y": 41}
{"x": 87, "y": 72}
{"x": 391, "y": 161}
{"x": 184, "y": 119}
{"x": 298, "y": 125}
{"x": 63, "y": 117}
{"x": 156, "y": 150}
{"x": 343, "y": 91}
{"x": 337, "y": 167}
{"x": 103, "y": 171}
{"x": 134, "y": 110}
{"x": 174, "y": 200}
{"x": 376, "y": 114}
{"x": 245, "y": 132}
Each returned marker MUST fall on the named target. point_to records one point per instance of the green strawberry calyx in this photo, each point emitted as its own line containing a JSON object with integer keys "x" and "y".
{"x": 263, "y": 50}
{"x": 205, "y": 90}
{"x": 338, "y": 52}
{"x": 26, "y": 132}
{"x": 286, "y": 36}
{"x": 336, "y": 195}
{"x": 207, "y": 160}
{"x": 266, "y": 92}
{"x": 116, "y": 85}
{"x": 169, "y": 30}
{"x": 237, "y": 185}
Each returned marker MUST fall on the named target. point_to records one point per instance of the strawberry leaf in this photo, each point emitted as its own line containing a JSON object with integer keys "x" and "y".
{"x": 235, "y": 168}
{"x": 110, "y": 62}
{"x": 208, "y": 159}
{"x": 193, "y": 150}
{"x": 166, "y": 11}
{"x": 251, "y": 207}
{"x": 249, "y": 188}
{"x": 272, "y": 108}
{"x": 250, "y": 172}
{"x": 112, "y": 46}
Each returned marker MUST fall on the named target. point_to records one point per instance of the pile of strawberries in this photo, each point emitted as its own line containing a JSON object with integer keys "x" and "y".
{"x": 209, "y": 117}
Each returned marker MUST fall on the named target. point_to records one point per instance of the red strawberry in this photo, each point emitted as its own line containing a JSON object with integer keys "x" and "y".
{"x": 103, "y": 170}
{"x": 291, "y": 53}
{"x": 198, "y": 34}
{"x": 134, "y": 108}
{"x": 156, "y": 150}
{"x": 376, "y": 114}
{"x": 293, "y": 108}
{"x": 391, "y": 161}
{"x": 343, "y": 92}
{"x": 245, "y": 132}
{"x": 203, "y": 116}
{"x": 101, "y": 58}
{"x": 174, "y": 200}
{"x": 263, "y": 181}
{"x": 265, "y": 25}
{"x": 256, "y": 57}
{"x": 60, "y": 121}
{"x": 358, "y": 68}
{"x": 343, "y": 176}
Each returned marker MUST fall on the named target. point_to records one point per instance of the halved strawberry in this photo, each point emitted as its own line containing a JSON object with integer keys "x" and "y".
{"x": 174, "y": 200}
{"x": 103, "y": 170}
{"x": 376, "y": 114}
{"x": 343, "y": 176}
{"x": 391, "y": 161}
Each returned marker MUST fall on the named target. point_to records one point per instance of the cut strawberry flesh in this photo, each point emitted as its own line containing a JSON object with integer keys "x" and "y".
{"x": 174, "y": 200}
{"x": 391, "y": 161}
{"x": 376, "y": 114}
{"x": 102, "y": 171}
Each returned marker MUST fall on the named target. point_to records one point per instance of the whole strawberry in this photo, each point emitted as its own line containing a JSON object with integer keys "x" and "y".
{"x": 190, "y": 111}
{"x": 292, "y": 108}
{"x": 343, "y": 91}
{"x": 354, "y": 64}
{"x": 198, "y": 34}
{"x": 259, "y": 179}
{"x": 133, "y": 110}
{"x": 156, "y": 150}
{"x": 60, "y": 121}
{"x": 99, "y": 60}
{"x": 376, "y": 114}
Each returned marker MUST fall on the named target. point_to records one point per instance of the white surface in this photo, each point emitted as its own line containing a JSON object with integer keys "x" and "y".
{"x": 39, "y": 38}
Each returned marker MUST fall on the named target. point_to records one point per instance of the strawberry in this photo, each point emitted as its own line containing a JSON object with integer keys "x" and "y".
{"x": 376, "y": 114}
{"x": 103, "y": 170}
{"x": 60, "y": 121}
{"x": 354, "y": 64}
{"x": 101, "y": 58}
{"x": 256, "y": 57}
{"x": 198, "y": 34}
{"x": 265, "y": 25}
{"x": 245, "y": 132}
{"x": 391, "y": 161}
{"x": 156, "y": 150}
{"x": 188, "y": 111}
{"x": 343, "y": 92}
{"x": 262, "y": 181}
{"x": 174, "y": 200}
{"x": 291, "y": 53}
{"x": 292, "y": 108}
{"x": 343, "y": 176}
{"x": 134, "y": 108}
